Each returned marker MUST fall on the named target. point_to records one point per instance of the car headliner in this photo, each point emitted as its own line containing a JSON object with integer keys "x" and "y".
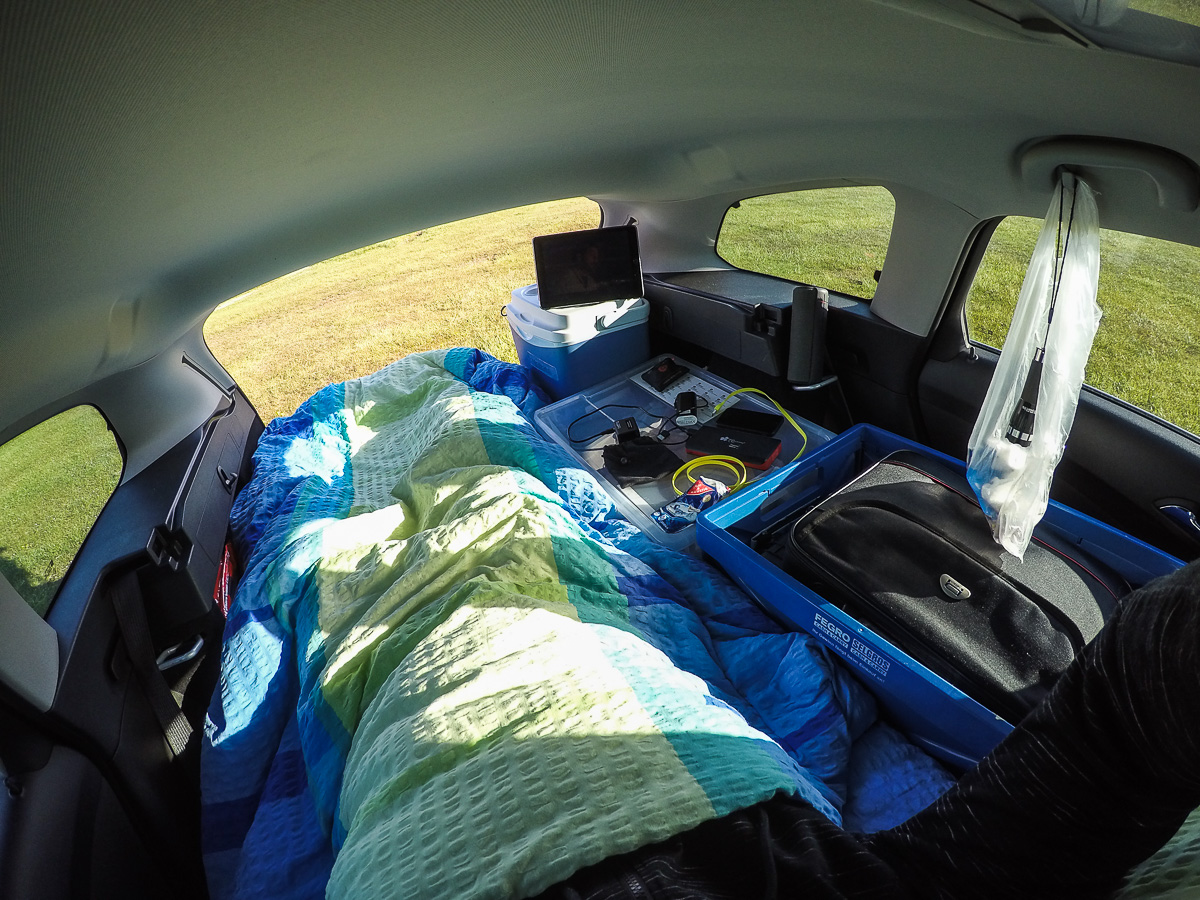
{"x": 161, "y": 158}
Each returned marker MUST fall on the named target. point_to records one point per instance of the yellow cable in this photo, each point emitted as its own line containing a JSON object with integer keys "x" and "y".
{"x": 783, "y": 412}
{"x": 717, "y": 459}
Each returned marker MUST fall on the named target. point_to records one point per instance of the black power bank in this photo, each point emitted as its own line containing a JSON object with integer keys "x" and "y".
{"x": 752, "y": 420}
{"x": 757, "y": 451}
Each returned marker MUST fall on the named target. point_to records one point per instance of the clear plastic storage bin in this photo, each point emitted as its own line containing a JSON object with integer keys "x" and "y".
{"x": 652, "y": 409}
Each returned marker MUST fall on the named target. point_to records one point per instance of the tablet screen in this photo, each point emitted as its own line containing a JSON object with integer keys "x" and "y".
{"x": 593, "y": 266}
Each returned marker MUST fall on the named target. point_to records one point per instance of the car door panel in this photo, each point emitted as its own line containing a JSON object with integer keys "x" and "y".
{"x": 102, "y": 743}
{"x": 1120, "y": 464}
{"x": 66, "y": 834}
{"x": 875, "y": 362}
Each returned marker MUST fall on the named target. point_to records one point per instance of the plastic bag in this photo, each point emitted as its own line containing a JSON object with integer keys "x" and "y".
{"x": 1022, "y": 428}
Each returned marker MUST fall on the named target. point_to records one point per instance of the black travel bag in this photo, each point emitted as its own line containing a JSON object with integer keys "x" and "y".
{"x": 905, "y": 549}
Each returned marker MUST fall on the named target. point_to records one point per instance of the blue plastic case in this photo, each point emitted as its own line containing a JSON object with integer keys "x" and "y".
{"x": 935, "y": 714}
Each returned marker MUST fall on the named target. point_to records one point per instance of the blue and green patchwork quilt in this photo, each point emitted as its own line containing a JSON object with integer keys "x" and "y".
{"x": 452, "y": 670}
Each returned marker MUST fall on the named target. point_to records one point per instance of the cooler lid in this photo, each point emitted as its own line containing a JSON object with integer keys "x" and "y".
{"x": 574, "y": 324}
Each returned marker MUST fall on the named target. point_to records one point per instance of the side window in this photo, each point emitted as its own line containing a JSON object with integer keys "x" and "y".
{"x": 54, "y": 480}
{"x": 835, "y": 238}
{"x": 327, "y": 301}
{"x": 1147, "y": 348}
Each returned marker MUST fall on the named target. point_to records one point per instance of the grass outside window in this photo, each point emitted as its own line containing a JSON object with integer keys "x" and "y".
{"x": 1147, "y": 348}
{"x": 1187, "y": 11}
{"x": 54, "y": 481}
{"x": 350, "y": 315}
{"x": 835, "y": 238}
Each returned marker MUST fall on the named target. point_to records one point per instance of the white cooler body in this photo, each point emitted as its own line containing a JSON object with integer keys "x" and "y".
{"x": 572, "y": 348}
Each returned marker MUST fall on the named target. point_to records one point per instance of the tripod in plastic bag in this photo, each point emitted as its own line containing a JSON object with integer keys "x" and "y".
{"x": 1027, "y": 414}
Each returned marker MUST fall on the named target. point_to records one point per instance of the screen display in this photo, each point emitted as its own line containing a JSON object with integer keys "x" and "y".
{"x": 594, "y": 266}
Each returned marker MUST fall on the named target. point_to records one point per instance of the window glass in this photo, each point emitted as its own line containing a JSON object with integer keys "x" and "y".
{"x": 432, "y": 288}
{"x": 1147, "y": 348}
{"x": 835, "y": 238}
{"x": 1187, "y": 11}
{"x": 54, "y": 480}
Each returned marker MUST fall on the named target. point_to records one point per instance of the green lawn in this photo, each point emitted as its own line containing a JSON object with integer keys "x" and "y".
{"x": 1180, "y": 10}
{"x": 1147, "y": 348}
{"x": 446, "y": 286}
{"x": 54, "y": 480}
{"x": 350, "y": 315}
{"x": 834, "y": 238}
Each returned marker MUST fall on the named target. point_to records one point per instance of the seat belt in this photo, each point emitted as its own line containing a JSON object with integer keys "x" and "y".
{"x": 135, "y": 632}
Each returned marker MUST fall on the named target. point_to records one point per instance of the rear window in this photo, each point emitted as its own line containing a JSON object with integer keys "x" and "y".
{"x": 54, "y": 480}
{"x": 1147, "y": 348}
{"x": 835, "y": 238}
{"x": 431, "y": 288}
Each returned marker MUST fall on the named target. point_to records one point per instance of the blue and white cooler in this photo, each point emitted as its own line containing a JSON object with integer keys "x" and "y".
{"x": 574, "y": 347}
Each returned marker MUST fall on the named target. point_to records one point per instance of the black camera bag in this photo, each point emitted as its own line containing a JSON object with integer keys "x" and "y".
{"x": 905, "y": 549}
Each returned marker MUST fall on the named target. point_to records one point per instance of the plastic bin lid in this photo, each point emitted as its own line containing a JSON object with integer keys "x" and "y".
{"x": 574, "y": 324}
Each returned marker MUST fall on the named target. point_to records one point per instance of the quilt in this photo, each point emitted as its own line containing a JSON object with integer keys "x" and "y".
{"x": 451, "y": 669}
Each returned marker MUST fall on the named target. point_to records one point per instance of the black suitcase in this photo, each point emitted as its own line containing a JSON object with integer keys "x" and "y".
{"x": 905, "y": 549}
